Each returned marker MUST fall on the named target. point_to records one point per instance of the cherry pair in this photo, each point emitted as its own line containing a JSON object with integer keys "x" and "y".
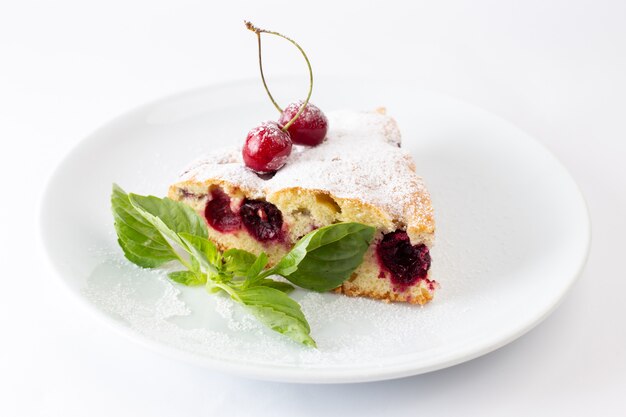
{"x": 268, "y": 145}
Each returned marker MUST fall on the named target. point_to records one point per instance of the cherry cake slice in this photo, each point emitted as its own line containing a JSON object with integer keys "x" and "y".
{"x": 359, "y": 173}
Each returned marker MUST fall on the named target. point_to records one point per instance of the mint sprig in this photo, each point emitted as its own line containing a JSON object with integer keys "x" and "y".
{"x": 153, "y": 231}
{"x": 325, "y": 258}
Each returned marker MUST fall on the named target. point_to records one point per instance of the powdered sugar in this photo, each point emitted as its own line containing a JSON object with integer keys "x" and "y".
{"x": 361, "y": 158}
{"x": 349, "y": 331}
{"x": 312, "y": 116}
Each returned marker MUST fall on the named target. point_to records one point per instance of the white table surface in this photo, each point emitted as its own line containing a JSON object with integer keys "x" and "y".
{"x": 554, "y": 68}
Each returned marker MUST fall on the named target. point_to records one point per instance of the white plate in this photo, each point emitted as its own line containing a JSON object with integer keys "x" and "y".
{"x": 512, "y": 236}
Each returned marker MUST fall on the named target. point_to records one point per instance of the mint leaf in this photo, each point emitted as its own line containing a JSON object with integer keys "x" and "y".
{"x": 144, "y": 225}
{"x": 188, "y": 278}
{"x": 202, "y": 251}
{"x": 238, "y": 262}
{"x": 326, "y": 257}
{"x": 169, "y": 217}
{"x": 257, "y": 267}
{"x": 278, "y": 285}
{"x": 277, "y": 311}
{"x": 141, "y": 242}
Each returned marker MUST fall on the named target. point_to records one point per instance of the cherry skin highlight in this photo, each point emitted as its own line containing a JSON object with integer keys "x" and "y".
{"x": 267, "y": 148}
{"x": 219, "y": 215}
{"x": 406, "y": 263}
{"x": 263, "y": 220}
{"x": 309, "y": 128}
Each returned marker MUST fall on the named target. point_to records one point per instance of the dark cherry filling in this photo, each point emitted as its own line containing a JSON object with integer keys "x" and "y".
{"x": 219, "y": 215}
{"x": 406, "y": 263}
{"x": 263, "y": 220}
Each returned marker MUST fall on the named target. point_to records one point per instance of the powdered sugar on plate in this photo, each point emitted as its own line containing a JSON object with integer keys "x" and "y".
{"x": 348, "y": 330}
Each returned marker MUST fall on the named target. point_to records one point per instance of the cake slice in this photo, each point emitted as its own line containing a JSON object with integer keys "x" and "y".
{"x": 358, "y": 174}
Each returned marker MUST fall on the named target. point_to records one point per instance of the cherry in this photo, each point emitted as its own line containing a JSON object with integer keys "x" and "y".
{"x": 306, "y": 123}
{"x": 219, "y": 215}
{"x": 309, "y": 128}
{"x": 267, "y": 148}
{"x": 407, "y": 263}
{"x": 263, "y": 220}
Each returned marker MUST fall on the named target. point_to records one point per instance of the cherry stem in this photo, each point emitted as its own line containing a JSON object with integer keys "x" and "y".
{"x": 258, "y": 32}
{"x": 267, "y": 90}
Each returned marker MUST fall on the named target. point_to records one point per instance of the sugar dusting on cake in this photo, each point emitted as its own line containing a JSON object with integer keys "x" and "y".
{"x": 361, "y": 158}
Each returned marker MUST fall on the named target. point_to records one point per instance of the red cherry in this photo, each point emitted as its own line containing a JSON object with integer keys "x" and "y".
{"x": 263, "y": 220}
{"x": 219, "y": 214}
{"x": 407, "y": 263}
{"x": 267, "y": 148}
{"x": 309, "y": 128}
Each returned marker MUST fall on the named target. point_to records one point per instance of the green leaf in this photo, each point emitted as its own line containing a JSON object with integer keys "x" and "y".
{"x": 194, "y": 264}
{"x": 188, "y": 278}
{"x": 143, "y": 256}
{"x": 141, "y": 242}
{"x": 277, "y": 311}
{"x": 169, "y": 217}
{"x": 238, "y": 261}
{"x": 257, "y": 267}
{"x": 145, "y": 262}
{"x": 326, "y": 257}
{"x": 278, "y": 285}
{"x": 202, "y": 250}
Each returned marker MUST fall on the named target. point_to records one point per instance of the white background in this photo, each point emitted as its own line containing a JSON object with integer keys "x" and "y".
{"x": 557, "y": 69}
